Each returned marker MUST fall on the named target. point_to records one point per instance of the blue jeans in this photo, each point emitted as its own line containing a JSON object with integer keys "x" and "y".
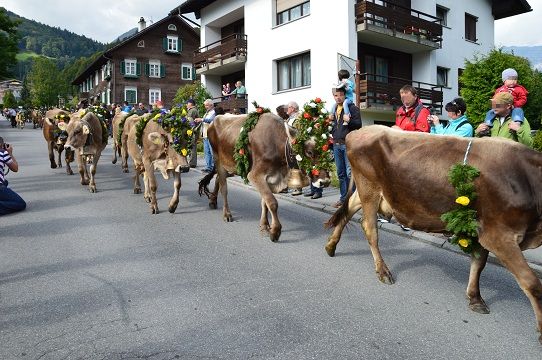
{"x": 343, "y": 168}
{"x": 208, "y": 154}
{"x": 517, "y": 115}
{"x": 10, "y": 201}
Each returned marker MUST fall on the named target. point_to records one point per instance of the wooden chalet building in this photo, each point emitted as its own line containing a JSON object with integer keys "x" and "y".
{"x": 148, "y": 66}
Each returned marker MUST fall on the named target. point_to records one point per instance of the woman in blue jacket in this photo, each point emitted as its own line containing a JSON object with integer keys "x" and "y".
{"x": 458, "y": 125}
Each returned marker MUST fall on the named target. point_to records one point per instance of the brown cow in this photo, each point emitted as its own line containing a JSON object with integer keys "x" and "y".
{"x": 389, "y": 165}
{"x": 269, "y": 167}
{"x": 118, "y": 121}
{"x": 85, "y": 136}
{"x": 156, "y": 153}
{"x": 56, "y": 138}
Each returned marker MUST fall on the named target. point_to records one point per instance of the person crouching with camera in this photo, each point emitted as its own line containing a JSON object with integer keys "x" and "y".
{"x": 10, "y": 201}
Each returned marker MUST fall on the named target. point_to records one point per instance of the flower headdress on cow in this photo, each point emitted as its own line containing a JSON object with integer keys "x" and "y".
{"x": 100, "y": 113}
{"x": 313, "y": 123}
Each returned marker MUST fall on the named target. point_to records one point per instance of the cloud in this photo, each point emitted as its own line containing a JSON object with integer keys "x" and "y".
{"x": 519, "y": 30}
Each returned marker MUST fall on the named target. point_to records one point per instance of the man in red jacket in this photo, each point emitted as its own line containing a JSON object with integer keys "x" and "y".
{"x": 412, "y": 115}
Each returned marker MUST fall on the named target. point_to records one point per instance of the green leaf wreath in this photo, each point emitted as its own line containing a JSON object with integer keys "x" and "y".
{"x": 313, "y": 123}
{"x": 462, "y": 221}
{"x": 121, "y": 126}
{"x": 100, "y": 113}
{"x": 173, "y": 122}
{"x": 240, "y": 153}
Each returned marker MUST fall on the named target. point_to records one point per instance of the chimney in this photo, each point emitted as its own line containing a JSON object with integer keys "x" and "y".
{"x": 142, "y": 24}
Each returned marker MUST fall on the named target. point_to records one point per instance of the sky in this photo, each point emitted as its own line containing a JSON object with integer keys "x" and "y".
{"x": 111, "y": 18}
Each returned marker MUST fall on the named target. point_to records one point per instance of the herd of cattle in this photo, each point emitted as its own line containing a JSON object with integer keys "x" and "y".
{"x": 396, "y": 173}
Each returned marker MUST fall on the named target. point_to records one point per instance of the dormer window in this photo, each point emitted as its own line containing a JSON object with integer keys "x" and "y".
{"x": 172, "y": 27}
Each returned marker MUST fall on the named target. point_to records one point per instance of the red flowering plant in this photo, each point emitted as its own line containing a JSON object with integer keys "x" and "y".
{"x": 313, "y": 124}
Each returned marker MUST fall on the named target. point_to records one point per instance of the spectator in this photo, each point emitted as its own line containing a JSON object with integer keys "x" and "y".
{"x": 192, "y": 114}
{"x": 206, "y": 121}
{"x": 159, "y": 105}
{"x": 240, "y": 92}
{"x": 458, "y": 125}
{"x": 339, "y": 131}
{"x": 10, "y": 201}
{"x": 281, "y": 111}
{"x": 348, "y": 85}
{"x": 503, "y": 125}
{"x": 141, "y": 109}
{"x": 126, "y": 107}
{"x": 519, "y": 93}
{"x": 226, "y": 89}
{"x": 293, "y": 112}
{"x": 412, "y": 115}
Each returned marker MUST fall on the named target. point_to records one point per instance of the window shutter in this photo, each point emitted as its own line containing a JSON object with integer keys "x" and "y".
{"x": 147, "y": 69}
{"x": 122, "y": 68}
{"x": 193, "y": 73}
{"x": 138, "y": 69}
{"x": 185, "y": 73}
{"x": 162, "y": 71}
{"x": 164, "y": 43}
{"x": 180, "y": 45}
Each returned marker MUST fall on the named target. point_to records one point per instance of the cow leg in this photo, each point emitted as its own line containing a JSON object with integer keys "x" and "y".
{"x": 270, "y": 202}
{"x": 264, "y": 222}
{"x": 92, "y": 185}
{"x": 344, "y": 215}
{"x": 513, "y": 259}
{"x": 477, "y": 265}
{"x": 50, "y": 147}
{"x": 223, "y": 186}
{"x": 151, "y": 186}
{"x": 137, "y": 184}
{"x": 124, "y": 156}
{"x": 82, "y": 166}
{"x": 68, "y": 156}
{"x": 60, "y": 149}
{"x": 176, "y": 188}
{"x": 213, "y": 197}
{"x": 114, "y": 159}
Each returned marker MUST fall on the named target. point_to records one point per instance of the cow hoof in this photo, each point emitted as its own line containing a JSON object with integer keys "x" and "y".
{"x": 479, "y": 307}
{"x": 172, "y": 209}
{"x": 69, "y": 172}
{"x": 212, "y": 205}
{"x": 114, "y": 161}
{"x": 274, "y": 237}
{"x": 386, "y": 278}
{"x": 154, "y": 210}
{"x": 148, "y": 199}
{"x": 137, "y": 190}
{"x": 53, "y": 166}
{"x": 84, "y": 182}
{"x": 92, "y": 189}
{"x": 228, "y": 218}
{"x": 125, "y": 170}
{"x": 330, "y": 250}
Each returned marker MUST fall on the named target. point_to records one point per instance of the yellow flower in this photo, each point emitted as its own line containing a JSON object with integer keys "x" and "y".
{"x": 189, "y": 132}
{"x": 184, "y": 152}
{"x": 172, "y": 130}
{"x": 463, "y": 242}
{"x": 157, "y": 116}
{"x": 183, "y": 112}
{"x": 62, "y": 116}
{"x": 462, "y": 200}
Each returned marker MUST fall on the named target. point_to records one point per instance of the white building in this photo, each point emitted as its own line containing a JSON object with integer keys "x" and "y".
{"x": 287, "y": 50}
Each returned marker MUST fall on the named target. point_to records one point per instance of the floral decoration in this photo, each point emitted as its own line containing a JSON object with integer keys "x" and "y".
{"x": 313, "y": 123}
{"x": 462, "y": 221}
{"x": 121, "y": 126}
{"x": 240, "y": 153}
{"x": 100, "y": 113}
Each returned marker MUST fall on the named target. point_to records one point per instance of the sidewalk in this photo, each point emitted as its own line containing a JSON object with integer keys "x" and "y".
{"x": 330, "y": 197}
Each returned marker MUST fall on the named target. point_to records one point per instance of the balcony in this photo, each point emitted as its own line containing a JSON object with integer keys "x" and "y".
{"x": 399, "y": 28}
{"x": 230, "y": 103}
{"x": 378, "y": 92}
{"x": 222, "y": 57}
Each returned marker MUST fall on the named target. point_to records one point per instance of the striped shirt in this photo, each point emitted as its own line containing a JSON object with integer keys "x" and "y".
{"x": 5, "y": 159}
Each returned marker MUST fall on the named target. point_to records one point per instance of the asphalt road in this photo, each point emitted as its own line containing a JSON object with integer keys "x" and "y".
{"x": 96, "y": 276}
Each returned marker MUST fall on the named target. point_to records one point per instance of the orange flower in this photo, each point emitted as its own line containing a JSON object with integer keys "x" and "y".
{"x": 241, "y": 151}
{"x": 294, "y": 141}
{"x": 330, "y": 141}
{"x": 317, "y": 100}
{"x": 325, "y": 147}
{"x": 315, "y": 172}
{"x": 306, "y": 115}
{"x": 259, "y": 110}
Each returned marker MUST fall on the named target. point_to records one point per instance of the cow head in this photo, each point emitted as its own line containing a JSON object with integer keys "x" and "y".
{"x": 162, "y": 144}
{"x": 79, "y": 134}
{"x": 319, "y": 178}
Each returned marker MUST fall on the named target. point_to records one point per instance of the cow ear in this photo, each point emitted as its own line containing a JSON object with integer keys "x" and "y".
{"x": 155, "y": 138}
{"x": 86, "y": 130}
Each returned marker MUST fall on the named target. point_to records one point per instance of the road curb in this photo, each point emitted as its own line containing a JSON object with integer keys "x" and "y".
{"x": 436, "y": 240}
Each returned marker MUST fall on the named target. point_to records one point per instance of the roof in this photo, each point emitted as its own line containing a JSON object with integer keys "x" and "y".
{"x": 503, "y": 9}
{"x": 102, "y": 59}
{"x": 191, "y": 6}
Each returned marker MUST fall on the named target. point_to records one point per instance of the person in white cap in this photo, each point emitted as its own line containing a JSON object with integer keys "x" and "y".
{"x": 518, "y": 92}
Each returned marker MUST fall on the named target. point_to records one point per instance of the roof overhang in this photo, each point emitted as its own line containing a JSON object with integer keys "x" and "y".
{"x": 503, "y": 9}
{"x": 191, "y": 6}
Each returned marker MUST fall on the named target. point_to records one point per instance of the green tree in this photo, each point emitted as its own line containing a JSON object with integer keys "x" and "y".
{"x": 44, "y": 84}
{"x": 26, "y": 102}
{"x": 195, "y": 91}
{"x": 482, "y": 76}
{"x": 9, "y": 99}
{"x": 8, "y": 44}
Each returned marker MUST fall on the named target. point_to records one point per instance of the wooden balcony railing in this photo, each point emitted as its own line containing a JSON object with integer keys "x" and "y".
{"x": 231, "y": 103}
{"x": 377, "y": 90}
{"x": 399, "y": 19}
{"x": 231, "y": 46}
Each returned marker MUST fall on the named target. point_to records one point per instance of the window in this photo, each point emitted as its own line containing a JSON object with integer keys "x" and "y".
{"x": 289, "y": 10}
{"x": 442, "y": 76}
{"x": 442, "y": 14}
{"x": 294, "y": 72}
{"x": 154, "y": 68}
{"x": 470, "y": 27}
{"x": 130, "y": 94}
{"x": 154, "y": 95}
{"x": 141, "y": 43}
{"x": 130, "y": 68}
{"x": 172, "y": 27}
{"x": 186, "y": 72}
{"x": 172, "y": 43}
{"x": 374, "y": 65}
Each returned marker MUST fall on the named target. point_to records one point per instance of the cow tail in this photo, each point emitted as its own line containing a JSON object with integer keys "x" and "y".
{"x": 203, "y": 184}
{"x": 340, "y": 214}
